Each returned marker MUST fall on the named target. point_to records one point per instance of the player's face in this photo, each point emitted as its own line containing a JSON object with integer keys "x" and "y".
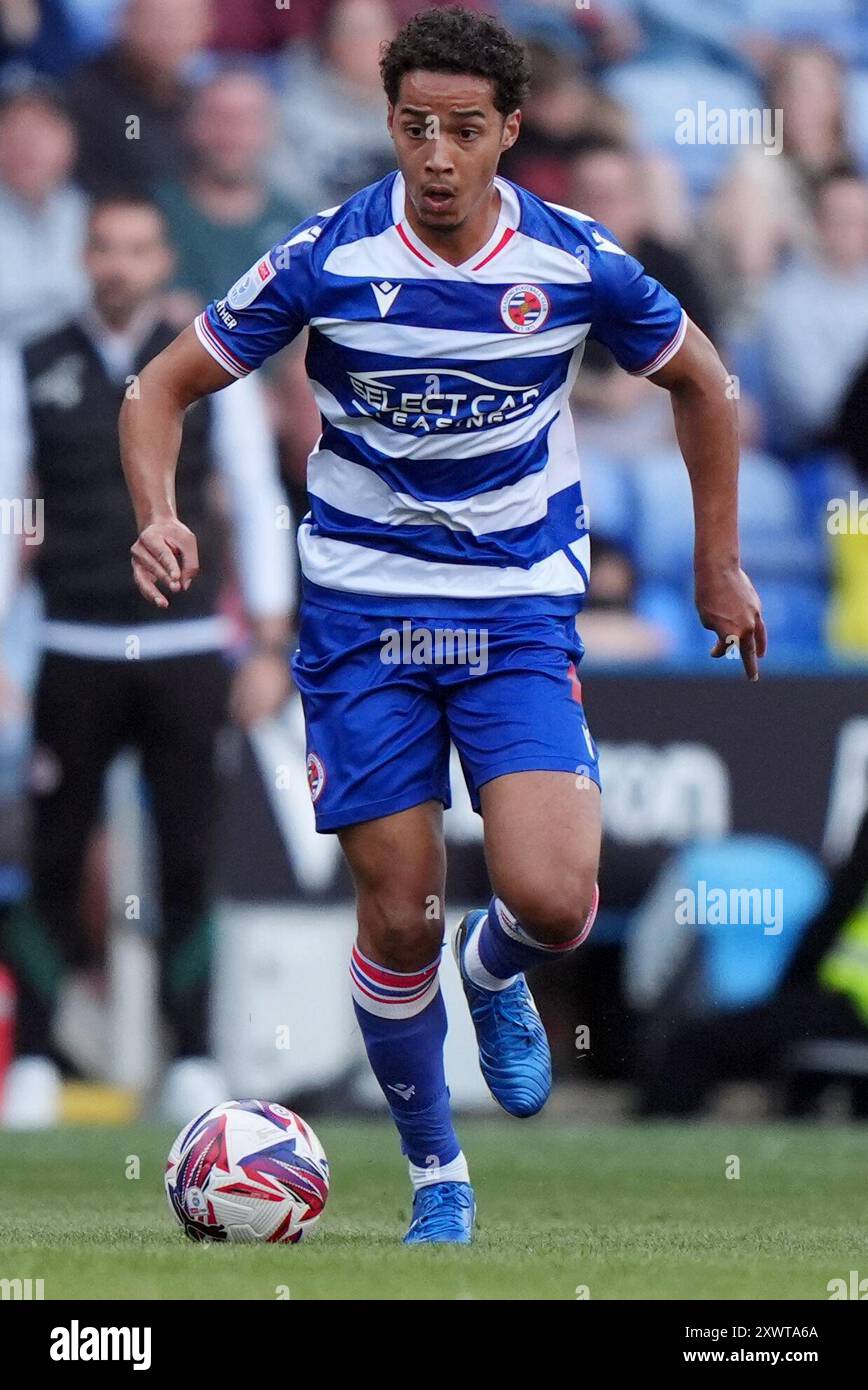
{"x": 127, "y": 260}
{"x": 449, "y": 137}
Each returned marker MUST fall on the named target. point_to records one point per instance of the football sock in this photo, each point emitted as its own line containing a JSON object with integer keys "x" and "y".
{"x": 456, "y": 1171}
{"x": 502, "y": 949}
{"x": 402, "y": 1019}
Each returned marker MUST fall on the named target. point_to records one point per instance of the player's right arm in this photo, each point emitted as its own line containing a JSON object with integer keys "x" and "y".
{"x": 649, "y": 335}
{"x": 151, "y": 422}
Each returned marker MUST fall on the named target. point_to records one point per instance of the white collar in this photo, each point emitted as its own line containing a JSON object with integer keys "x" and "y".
{"x": 507, "y": 221}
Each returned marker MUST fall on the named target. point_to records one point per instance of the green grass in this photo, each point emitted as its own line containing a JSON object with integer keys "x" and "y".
{"x": 636, "y": 1212}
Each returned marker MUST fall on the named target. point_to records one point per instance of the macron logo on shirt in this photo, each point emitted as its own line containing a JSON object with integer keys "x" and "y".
{"x": 385, "y": 295}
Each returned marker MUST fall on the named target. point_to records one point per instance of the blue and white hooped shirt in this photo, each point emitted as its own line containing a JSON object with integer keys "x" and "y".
{"x": 446, "y": 472}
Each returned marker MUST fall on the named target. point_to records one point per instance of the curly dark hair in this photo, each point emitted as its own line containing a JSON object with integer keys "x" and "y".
{"x": 458, "y": 40}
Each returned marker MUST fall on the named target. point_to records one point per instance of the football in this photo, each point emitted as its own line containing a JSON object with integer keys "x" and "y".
{"x": 247, "y": 1171}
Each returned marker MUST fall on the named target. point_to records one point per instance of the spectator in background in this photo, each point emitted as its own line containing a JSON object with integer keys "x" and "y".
{"x": 129, "y": 102}
{"x": 117, "y": 672}
{"x": 609, "y": 181}
{"x": 806, "y": 82}
{"x": 616, "y": 412}
{"x": 812, "y": 328}
{"x": 610, "y": 628}
{"x": 42, "y": 216}
{"x": 222, "y": 216}
{"x": 600, "y": 33}
{"x": 763, "y": 207}
{"x": 333, "y": 138}
{"x": 564, "y": 108}
{"x": 242, "y": 26}
{"x": 40, "y": 35}
{"x": 745, "y": 33}
{"x": 404, "y": 10}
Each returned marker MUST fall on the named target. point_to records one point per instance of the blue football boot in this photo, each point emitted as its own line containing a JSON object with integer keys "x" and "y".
{"x": 443, "y": 1214}
{"x": 513, "y": 1048}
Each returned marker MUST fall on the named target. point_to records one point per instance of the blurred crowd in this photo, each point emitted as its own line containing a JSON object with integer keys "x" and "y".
{"x": 726, "y": 147}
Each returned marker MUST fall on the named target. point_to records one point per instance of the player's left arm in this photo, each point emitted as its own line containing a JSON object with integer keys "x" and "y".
{"x": 706, "y": 423}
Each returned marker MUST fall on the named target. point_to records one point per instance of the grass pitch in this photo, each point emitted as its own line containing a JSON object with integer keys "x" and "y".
{"x": 636, "y": 1212}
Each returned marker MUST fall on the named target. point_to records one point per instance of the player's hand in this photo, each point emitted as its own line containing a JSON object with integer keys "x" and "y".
{"x": 261, "y": 688}
{"x": 165, "y": 553}
{"x": 728, "y": 604}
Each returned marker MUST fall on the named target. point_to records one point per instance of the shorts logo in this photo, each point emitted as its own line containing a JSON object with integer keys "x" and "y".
{"x": 245, "y": 290}
{"x": 316, "y": 776}
{"x": 524, "y": 308}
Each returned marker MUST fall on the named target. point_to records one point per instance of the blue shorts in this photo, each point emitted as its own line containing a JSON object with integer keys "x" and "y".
{"x": 383, "y": 696}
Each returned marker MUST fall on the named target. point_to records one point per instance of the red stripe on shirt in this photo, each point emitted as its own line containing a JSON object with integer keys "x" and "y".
{"x": 507, "y": 236}
{"x": 407, "y": 242}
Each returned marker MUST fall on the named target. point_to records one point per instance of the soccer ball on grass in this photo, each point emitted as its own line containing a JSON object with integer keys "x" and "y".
{"x": 247, "y": 1171}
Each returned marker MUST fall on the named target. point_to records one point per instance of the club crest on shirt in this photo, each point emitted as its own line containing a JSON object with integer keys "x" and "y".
{"x": 245, "y": 290}
{"x": 315, "y": 776}
{"x": 524, "y": 308}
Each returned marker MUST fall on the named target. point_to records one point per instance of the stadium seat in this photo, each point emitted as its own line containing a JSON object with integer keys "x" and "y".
{"x": 820, "y": 476}
{"x": 545, "y": 24}
{"x": 673, "y": 609}
{"x": 608, "y": 492}
{"x": 715, "y": 30}
{"x": 795, "y": 616}
{"x": 773, "y": 536}
{"x": 775, "y": 541}
{"x": 746, "y": 360}
{"x": 663, "y": 522}
{"x": 794, "y": 612}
